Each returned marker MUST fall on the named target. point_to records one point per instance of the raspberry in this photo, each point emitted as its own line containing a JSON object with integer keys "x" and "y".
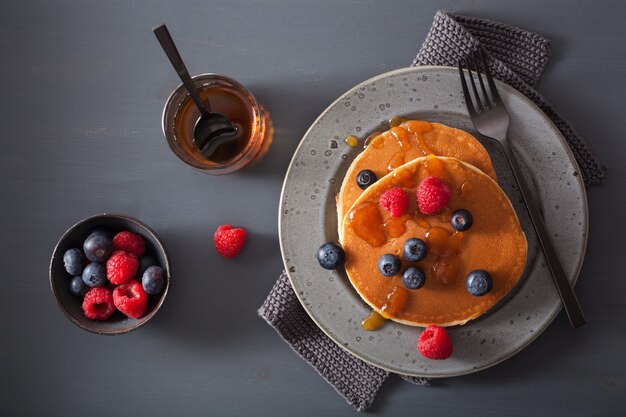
{"x": 229, "y": 241}
{"x": 131, "y": 299}
{"x": 434, "y": 343}
{"x": 121, "y": 267}
{"x": 98, "y": 303}
{"x": 395, "y": 201}
{"x": 129, "y": 242}
{"x": 433, "y": 195}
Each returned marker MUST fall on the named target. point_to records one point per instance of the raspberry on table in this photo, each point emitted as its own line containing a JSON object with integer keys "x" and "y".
{"x": 129, "y": 242}
{"x": 229, "y": 241}
{"x": 433, "y": 195}
{"x": 98, "y": 303}
{"x": 434, "y": 343}
{"x": 395, "y": 201}
{"x": 122, "y": 267}
{"x": 131, "y": 299}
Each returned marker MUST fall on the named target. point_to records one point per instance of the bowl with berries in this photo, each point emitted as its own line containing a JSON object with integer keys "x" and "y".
{"x": 110, "y": 274}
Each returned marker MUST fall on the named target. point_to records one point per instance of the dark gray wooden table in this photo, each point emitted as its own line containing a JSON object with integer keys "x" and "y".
{"x": 83, "y": 85}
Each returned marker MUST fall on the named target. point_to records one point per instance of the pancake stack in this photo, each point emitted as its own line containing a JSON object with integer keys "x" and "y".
{"x": 403, "y": 157}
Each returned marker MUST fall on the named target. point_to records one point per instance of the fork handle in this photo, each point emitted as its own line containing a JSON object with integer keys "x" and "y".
{"x": 570, "y": 302}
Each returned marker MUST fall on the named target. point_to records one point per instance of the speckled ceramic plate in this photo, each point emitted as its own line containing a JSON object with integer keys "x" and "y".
{"x": 307, "y": 218}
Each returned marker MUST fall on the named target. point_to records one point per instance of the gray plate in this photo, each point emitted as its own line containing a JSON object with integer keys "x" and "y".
{"x": 307, "y": 218}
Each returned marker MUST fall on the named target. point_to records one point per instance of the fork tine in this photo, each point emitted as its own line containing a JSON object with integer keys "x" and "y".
{"x": 482, "y": 84}
{"x": 466, "y": 94}
{"x": 471, "y": 67}
{"x": 492, "y": 84}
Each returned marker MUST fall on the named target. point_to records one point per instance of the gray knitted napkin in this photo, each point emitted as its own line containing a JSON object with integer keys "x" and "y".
{"x": 516, "y": 57}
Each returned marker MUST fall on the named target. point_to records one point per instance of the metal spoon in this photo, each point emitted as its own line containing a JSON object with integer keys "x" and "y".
{"x": 212, "y": 130}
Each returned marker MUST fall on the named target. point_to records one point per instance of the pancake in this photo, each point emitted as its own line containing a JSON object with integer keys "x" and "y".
{"x": 495, "y": 243}
{"x": 411, "y": 139}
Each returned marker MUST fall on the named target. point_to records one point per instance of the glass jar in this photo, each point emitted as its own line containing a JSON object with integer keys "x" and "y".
{"x": 231, "y": 99}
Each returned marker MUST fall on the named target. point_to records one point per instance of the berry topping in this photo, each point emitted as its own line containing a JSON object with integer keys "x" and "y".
{"x": 131, "y": 299}
{"x": 433, "y": 195}
{"x": 479, "y": 282}
{"x": 389, "y": 265}
{"x": 145, "y": 262}
{"x": 98, "y": 247}
{"x": 73, "y": 260}
{"x": 229, "y": 241}
{"x": 365, "y": 178}
{"x": 78, "y": 286}
{"x": 129, "y": 242}
{"x": 98, "y": 304}
{"x": 434, "y": 343}
{"x": 330, "y": 255}
{"x": 415, "y": 250}
{"x": 413, "y": 278}
{"x": 121, "y": 267}
{"x": 95, "y": 274}
{"x": 153, "y": 279}
{"x": 395, "y": 201}
{"x": 461, "y": 220}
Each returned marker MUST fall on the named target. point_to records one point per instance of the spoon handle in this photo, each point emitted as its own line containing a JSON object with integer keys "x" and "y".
{"x": 167, "y": 43}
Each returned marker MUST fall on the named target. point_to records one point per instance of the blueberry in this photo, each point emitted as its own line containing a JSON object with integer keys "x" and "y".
{"x": 479, "y": 282}
{"x": 78, "y": 286}
{"x": 389, "y": 265}
{"x": 413, "y": 278}
{"x": 461, "y": 220}
{"x": 415, "y": 250}
{"x": 95, "y": 274}
{"x": 98, "y": 247}
{"x": 330, "y": 255}
{"x": 101, "y": 231}
{"x": 365, "y": 178}
{"x": 153, "y": 279}
{"x": 145, "y": 262}
{"x": 73, "y": 261}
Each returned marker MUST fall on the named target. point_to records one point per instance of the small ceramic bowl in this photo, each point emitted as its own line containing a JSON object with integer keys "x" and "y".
{"x": 118, "y": 323}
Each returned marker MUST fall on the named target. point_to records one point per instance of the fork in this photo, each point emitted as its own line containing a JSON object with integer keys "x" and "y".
{"x": 491, "y": 119}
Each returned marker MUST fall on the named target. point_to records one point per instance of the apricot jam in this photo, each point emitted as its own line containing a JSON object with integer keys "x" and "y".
{"x": 373, "y": 322}
{"x": 442, "y": 242}
{"x": 367, "y": 223}
{"x": 405, "y": 177}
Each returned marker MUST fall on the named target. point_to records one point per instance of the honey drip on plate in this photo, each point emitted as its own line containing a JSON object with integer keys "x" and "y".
{"x": 396, "y": 300}
{"x": 367, "y": 223}
{"x": 402, "y": 137}
{"x": 370, "y": 138}
{"x": 395, "y": 121}
{"x": 441, "y": 242}
{"x": 373, "y": 322}
{"x": 465, "y": 189}
{"x": 396, "y": 161}
{"x": 351, "y": 141}
{"x": 395, "y": 227}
